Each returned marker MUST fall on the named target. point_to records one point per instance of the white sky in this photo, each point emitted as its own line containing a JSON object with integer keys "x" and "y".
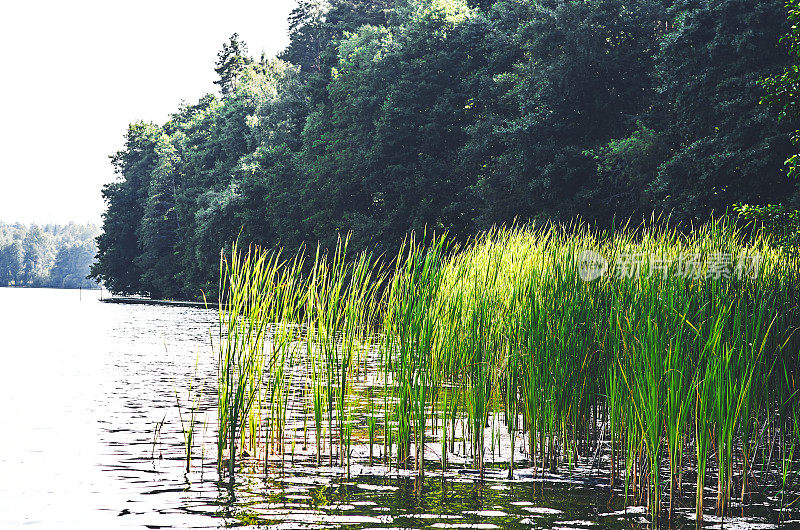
{"x": 74, "y": 74}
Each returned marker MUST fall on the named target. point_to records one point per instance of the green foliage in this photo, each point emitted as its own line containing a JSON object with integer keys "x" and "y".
{"x": 231, "y": 62}
{"x": 158, "y": 230}
{"x": 724, "y": 148}
{"x": 623, "y": 175}
{"x": 118, "y": 246}
{"x": 71, "y": 266}
{"x": 678, "y": 341}
{"x": 11, "y": 263}
{"x": 585, "y": 71}
{"x": 780, "y": 222}
{"x": 47, "y": 255}
{"x": 386, "y": 117}
{"x": 781, "y": 91}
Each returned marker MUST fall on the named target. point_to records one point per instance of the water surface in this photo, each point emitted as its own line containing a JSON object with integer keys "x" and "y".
{"x": 90, "y": 437}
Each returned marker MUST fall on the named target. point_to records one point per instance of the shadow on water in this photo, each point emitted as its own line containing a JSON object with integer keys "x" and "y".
{"x": 311, "y": 497}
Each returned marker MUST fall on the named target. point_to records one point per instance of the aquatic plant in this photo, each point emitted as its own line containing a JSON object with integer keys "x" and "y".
{"x": 188, "y": 425}
{"x": 669, "y": 345}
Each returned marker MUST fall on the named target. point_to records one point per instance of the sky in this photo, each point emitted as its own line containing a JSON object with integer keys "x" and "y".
{"x": 75, "y": 74}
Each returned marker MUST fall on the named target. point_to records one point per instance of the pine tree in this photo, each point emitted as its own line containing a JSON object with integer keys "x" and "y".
{"x": 231, "y": 61}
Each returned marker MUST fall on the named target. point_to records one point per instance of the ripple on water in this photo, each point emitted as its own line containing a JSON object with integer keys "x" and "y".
{"x": 465, "y": 525}
{"x": 111, "y": 407}
{"x": 428, "y": 516}
{"x": 540, "y": 510}
{"x": 376, "y": 487}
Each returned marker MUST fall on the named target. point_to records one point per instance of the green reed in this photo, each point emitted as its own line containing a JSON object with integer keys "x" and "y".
{"x": 668, "y": 353}
{"x": 244, "y": 302}
{"x": 188, "y": 424}
{"x": 409, "y": 325}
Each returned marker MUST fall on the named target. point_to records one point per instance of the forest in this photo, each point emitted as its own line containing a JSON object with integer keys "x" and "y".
{"x": 387, "y": 117}
{"x": 47, "y": 255}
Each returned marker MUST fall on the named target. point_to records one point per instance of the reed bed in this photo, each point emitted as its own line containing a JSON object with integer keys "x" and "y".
{"x": 662, "y": 355}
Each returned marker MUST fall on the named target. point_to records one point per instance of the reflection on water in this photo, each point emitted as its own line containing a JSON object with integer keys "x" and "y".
{"x": 83, "y": 385}
{"x": 91, "y": 438}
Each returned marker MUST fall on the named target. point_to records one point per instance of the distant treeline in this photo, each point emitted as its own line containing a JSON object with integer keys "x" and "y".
{"x": 387, "y": 116}
{"x": 47, "y": 255}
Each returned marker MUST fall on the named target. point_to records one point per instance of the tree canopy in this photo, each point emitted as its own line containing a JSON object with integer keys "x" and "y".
{"x": 384, "y": 117}
{"x": 47, "y": 255}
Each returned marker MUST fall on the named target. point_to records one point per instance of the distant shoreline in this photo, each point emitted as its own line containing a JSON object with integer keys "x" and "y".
{"x": 50, "y": 287}
{"x": 150, "y": 301}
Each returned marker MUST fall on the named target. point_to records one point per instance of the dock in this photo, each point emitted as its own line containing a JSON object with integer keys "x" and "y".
{"x": 151, "y": 301}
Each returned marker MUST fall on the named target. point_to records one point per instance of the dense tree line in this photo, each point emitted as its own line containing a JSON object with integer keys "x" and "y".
{"x": 782, "y": 91}
{"x": 386, "y": 116}
{"x": 47, "y": 255}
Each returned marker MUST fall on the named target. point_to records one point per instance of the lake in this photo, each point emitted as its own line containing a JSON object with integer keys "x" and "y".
{"x": 92, "y": 438}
